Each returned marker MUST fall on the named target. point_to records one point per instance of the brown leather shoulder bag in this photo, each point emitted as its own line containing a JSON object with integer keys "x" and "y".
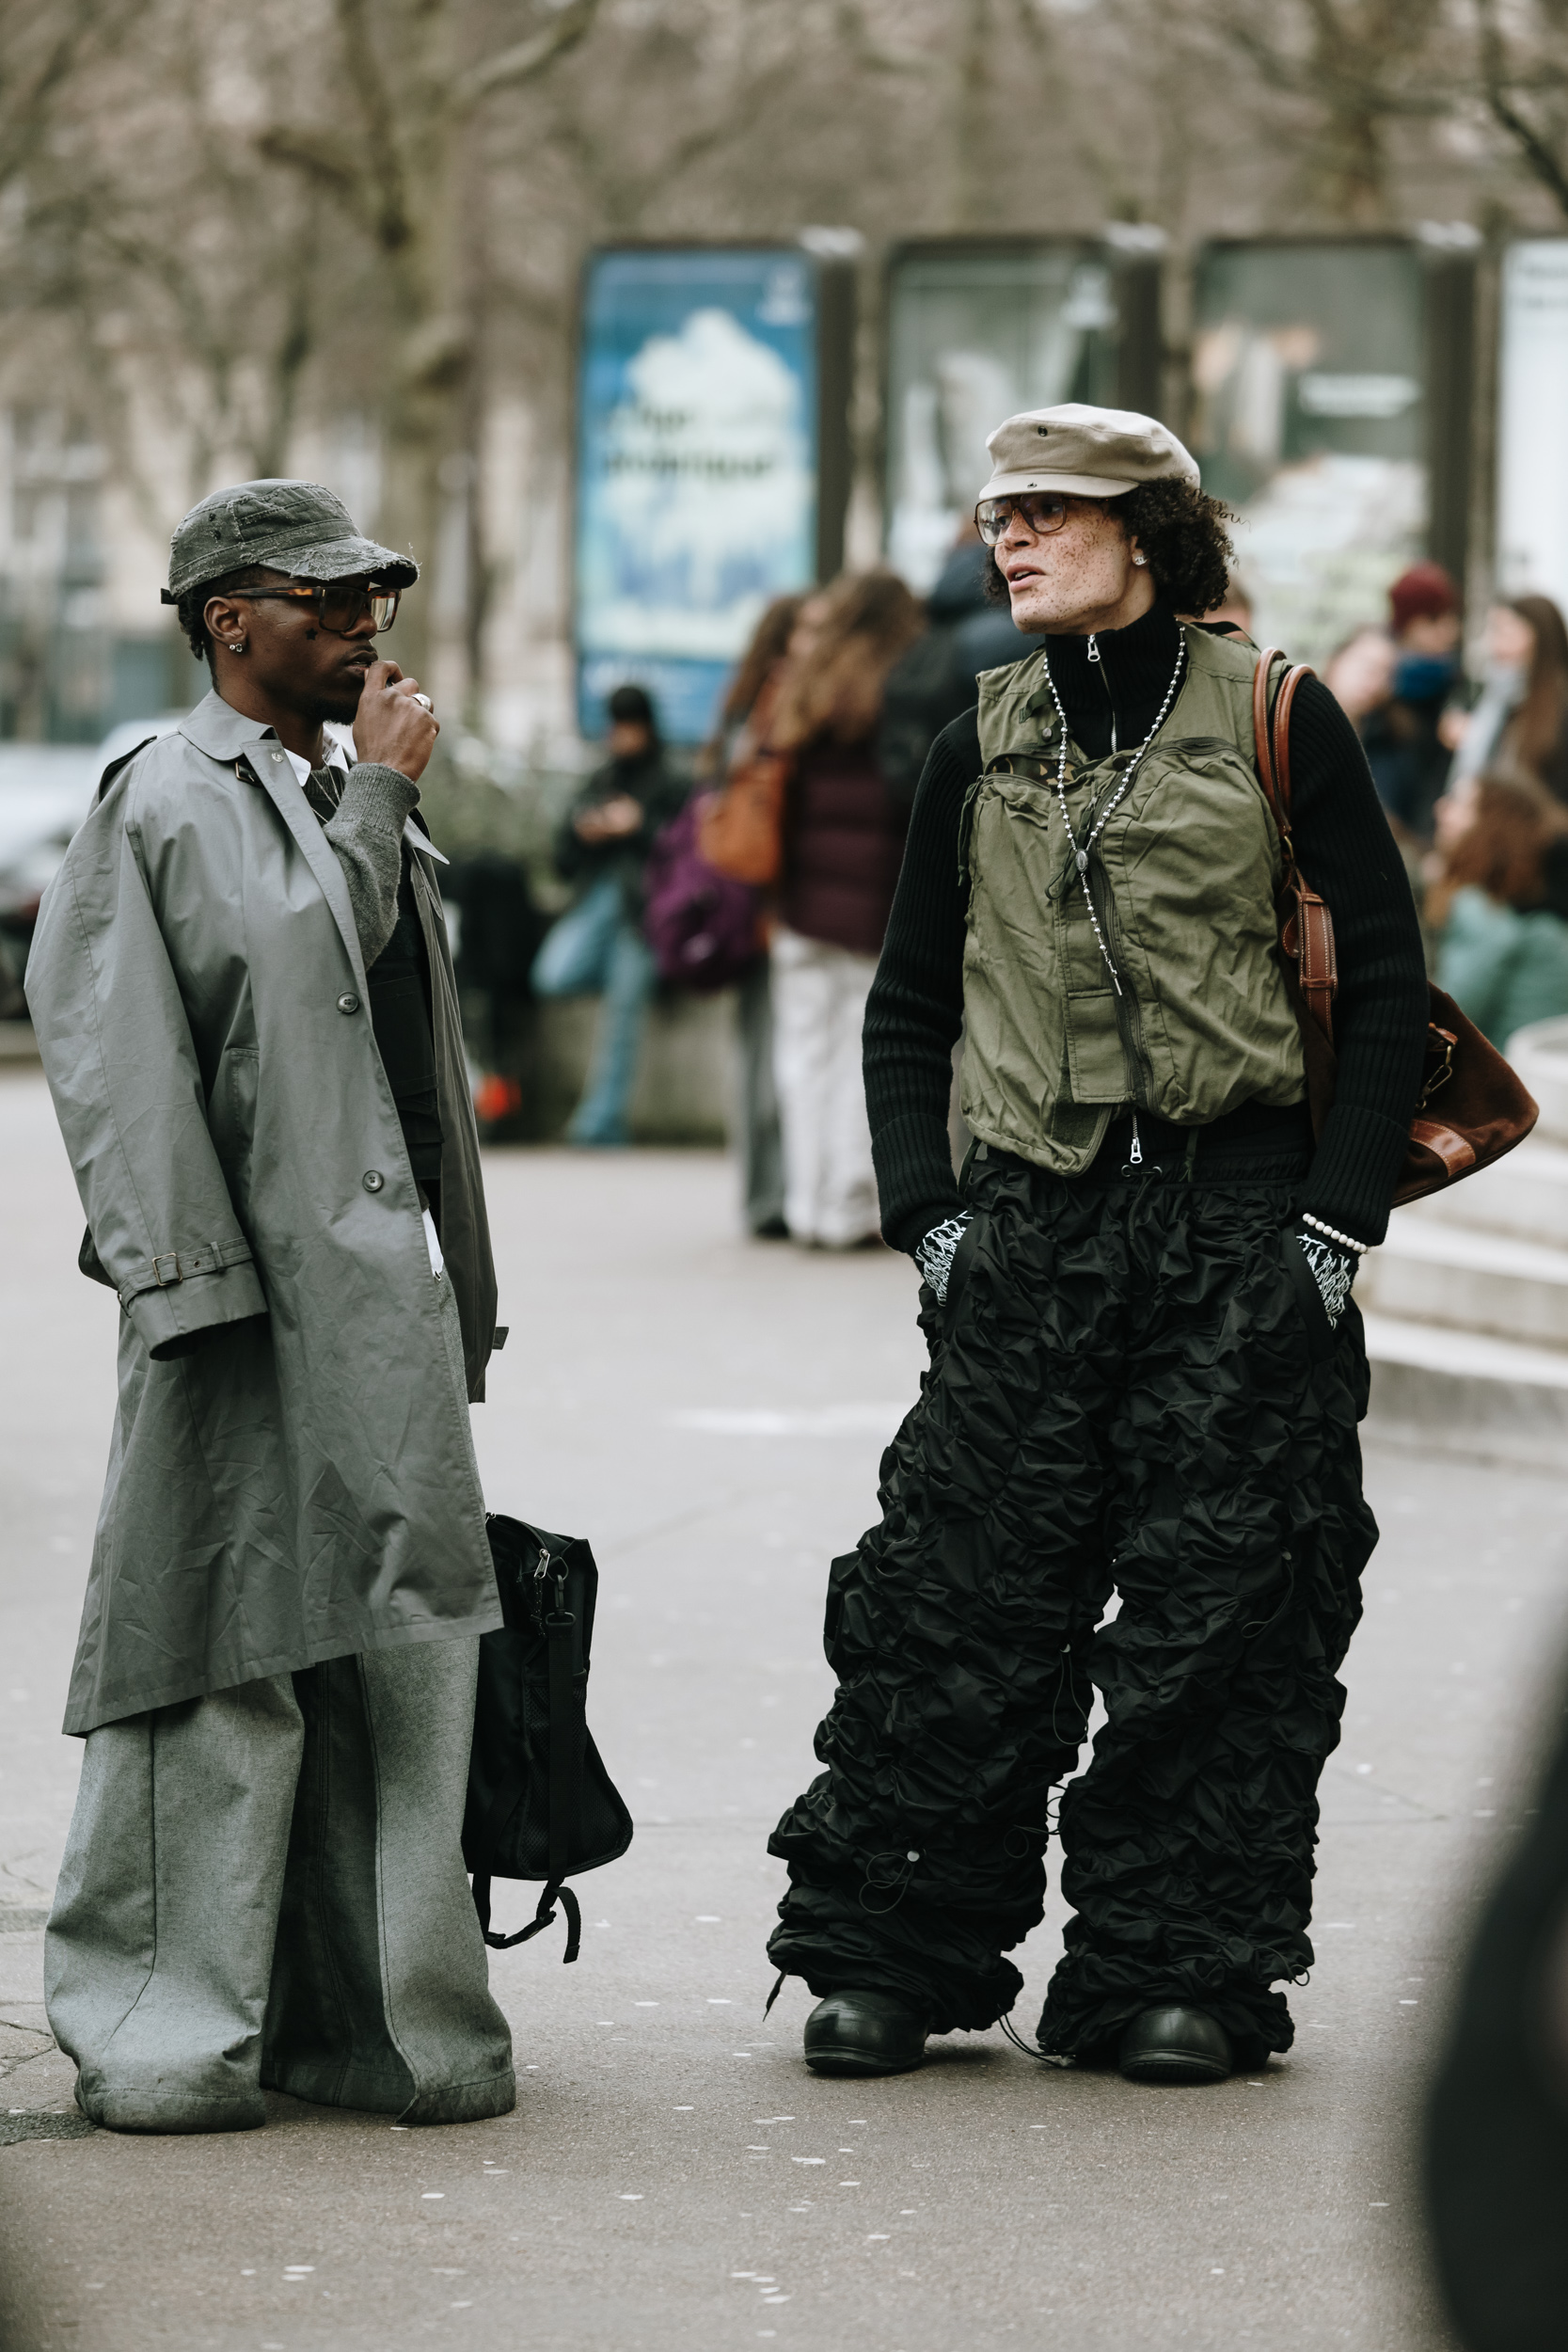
{"x": 740, "y": 829}
{"x": 1485, "y": 1107}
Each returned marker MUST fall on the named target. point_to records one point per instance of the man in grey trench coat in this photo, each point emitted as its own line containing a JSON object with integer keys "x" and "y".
{"x": 246, "y": 1006}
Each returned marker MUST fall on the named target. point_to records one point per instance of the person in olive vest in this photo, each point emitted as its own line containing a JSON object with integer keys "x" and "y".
{"x": 1146, "y": 1370}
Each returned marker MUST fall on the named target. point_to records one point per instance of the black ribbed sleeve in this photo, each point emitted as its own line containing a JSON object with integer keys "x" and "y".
{"x": 915, "y": 1009}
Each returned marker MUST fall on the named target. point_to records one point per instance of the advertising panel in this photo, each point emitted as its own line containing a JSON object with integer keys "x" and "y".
{"x": 697, "y": 479}
{"x": 1309, "y": 376}
{"x": 975, "y": 333}
{"x": 1532, "y": 450}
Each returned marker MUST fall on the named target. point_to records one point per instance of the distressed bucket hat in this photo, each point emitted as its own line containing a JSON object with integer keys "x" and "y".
{"x": 294, "y": 526}
{"x": 1084, "y": 451}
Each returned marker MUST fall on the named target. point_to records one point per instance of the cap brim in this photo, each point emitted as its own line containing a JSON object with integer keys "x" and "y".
{"x": 344, "y": 558}
{"x": 1082, "y": 485}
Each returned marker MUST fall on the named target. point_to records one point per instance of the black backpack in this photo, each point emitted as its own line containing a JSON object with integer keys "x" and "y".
{"x": 541, "y": 1805}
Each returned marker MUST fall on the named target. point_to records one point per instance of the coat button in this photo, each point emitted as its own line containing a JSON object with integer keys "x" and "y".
{"x": 373, "y": 1179}
{"x": 348, "y": 1002}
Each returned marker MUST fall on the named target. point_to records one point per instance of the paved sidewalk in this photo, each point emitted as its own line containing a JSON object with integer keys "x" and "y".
{"x": 710, "y": 1413}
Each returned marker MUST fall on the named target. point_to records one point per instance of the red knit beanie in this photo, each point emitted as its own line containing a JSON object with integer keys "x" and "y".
{"x": 1423, "y": 593}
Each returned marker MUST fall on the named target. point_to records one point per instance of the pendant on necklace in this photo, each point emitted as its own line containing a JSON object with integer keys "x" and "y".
{"x": 1083, "y": 861}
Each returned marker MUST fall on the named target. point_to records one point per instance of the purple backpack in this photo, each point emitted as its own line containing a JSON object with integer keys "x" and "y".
{"x": 705, "y": 930}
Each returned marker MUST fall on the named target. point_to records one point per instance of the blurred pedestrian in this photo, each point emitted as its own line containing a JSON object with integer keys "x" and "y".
{"x": 248, "y": 1019}
{"x": 843, "y": 840}
{"x": 596, "y": 948}
{"x": 746, "y": 707}
{"x": 498, "y": 929}
{"x": 1502, "y": 955}
{"x": 1236, "y": 611}
{"x": 1404, "y": 737}
{"x": 1147, "y": 1371}
{"x": 939, "y": 676}
{"x": 1359, "y": 675}
{"x": 1520, "y": 724}
{"x": 744, "y": 697}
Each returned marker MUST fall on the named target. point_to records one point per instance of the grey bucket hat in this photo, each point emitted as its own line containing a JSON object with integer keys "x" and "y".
{"x": 294, "y": 526}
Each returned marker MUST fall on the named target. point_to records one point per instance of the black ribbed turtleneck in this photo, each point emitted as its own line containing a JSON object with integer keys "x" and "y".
{"x": 1127, "y": 684}
{"x": 916, "y": 1009}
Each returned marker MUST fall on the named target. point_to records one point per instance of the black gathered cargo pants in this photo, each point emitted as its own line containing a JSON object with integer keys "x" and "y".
{"x": 1133, "y": 1387}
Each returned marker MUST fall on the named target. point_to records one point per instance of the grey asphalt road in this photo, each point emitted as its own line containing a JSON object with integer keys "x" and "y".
{"x": 710, "y": 1413}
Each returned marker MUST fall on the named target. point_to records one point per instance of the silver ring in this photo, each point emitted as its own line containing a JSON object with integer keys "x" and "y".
{"x": 424, "y": 702}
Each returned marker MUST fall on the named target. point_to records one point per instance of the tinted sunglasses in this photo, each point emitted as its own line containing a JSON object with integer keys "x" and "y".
{"x": 340, "y": 604}
{"x": 1040, "y": 510}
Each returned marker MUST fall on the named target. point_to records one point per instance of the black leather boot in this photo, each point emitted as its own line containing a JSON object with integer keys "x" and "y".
{"x": 1175, "y": 2046}
{"x": 864, "y": 2033}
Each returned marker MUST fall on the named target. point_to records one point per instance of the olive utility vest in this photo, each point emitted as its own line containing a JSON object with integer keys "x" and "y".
{"x": 1183, "y": 879}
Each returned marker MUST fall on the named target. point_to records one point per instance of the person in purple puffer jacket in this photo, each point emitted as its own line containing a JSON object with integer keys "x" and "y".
{"x": 843, "y": 843}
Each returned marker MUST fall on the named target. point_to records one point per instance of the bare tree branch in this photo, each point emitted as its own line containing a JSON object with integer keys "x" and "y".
{"x": 527, "y": 59}
{"x": 27, "y": 89}
{"x": 1540, "y": 159}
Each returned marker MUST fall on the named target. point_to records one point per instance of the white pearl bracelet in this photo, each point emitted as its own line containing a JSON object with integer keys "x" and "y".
{"x": 1332, "y": 1233}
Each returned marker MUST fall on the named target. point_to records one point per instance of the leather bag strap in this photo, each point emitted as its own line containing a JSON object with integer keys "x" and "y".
{"x": 1307, "y": 926}
{"x": 1282, "y": 734}
{"x": 1262, "y": 735}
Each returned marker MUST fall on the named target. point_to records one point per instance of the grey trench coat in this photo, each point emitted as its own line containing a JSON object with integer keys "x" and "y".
{"x": 301, "y": 1484}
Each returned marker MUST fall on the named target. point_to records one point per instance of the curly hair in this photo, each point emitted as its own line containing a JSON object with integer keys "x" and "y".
{"x": 193, "y": 605}
{"x": 1183, "y": 532}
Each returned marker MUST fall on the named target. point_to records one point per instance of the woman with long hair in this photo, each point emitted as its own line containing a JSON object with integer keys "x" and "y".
{"x": 1502, "y": 954}
{"x": 1520, "y": 724}
{"x": 843, "y": 844}
{"x": 743, "y": 696}
{"x": 743, "y": 717}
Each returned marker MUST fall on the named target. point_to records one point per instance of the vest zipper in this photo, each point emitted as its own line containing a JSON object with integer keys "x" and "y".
{"x": 1095, "y": 658}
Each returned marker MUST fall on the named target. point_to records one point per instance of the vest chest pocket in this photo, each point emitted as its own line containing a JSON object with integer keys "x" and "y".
{"x": 1097, "y": 1064}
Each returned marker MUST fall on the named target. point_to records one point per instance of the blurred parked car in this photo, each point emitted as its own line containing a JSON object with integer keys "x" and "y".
{"x": 45, "y": 791}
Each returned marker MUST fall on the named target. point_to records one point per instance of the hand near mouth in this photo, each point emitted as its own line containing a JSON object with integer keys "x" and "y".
{"x": 390, "y": 728}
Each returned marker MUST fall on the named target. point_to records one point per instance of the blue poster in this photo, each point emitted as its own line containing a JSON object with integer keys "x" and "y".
{"x": 696, "y": 491}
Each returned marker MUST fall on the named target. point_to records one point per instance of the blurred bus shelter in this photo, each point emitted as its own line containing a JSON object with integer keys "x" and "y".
{"x": 1330, "y": 406}
{"x": 711, "y": 463}
{"x": 977, "y": 330}
{"x": 1532, "y": 400}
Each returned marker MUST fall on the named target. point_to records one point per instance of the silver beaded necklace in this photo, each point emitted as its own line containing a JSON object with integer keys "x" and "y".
{"x": 1081, "y": 855}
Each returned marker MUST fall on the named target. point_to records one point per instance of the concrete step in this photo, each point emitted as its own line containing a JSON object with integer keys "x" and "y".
{"x": 1428, "y": 1271}
{"x": 1483, "y": 1398}
{"x": 1524, "y": 1195}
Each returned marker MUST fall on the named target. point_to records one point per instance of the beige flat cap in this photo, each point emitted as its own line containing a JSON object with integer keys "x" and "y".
{"x": 1089, "y": 453}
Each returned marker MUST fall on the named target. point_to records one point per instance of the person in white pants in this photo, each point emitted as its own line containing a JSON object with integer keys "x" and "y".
{"x": 843, "y": 843}
{"x": 819, "y": 994}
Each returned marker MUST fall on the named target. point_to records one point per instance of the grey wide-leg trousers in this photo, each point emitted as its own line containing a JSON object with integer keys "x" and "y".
{"x": 266, "y": 1887}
